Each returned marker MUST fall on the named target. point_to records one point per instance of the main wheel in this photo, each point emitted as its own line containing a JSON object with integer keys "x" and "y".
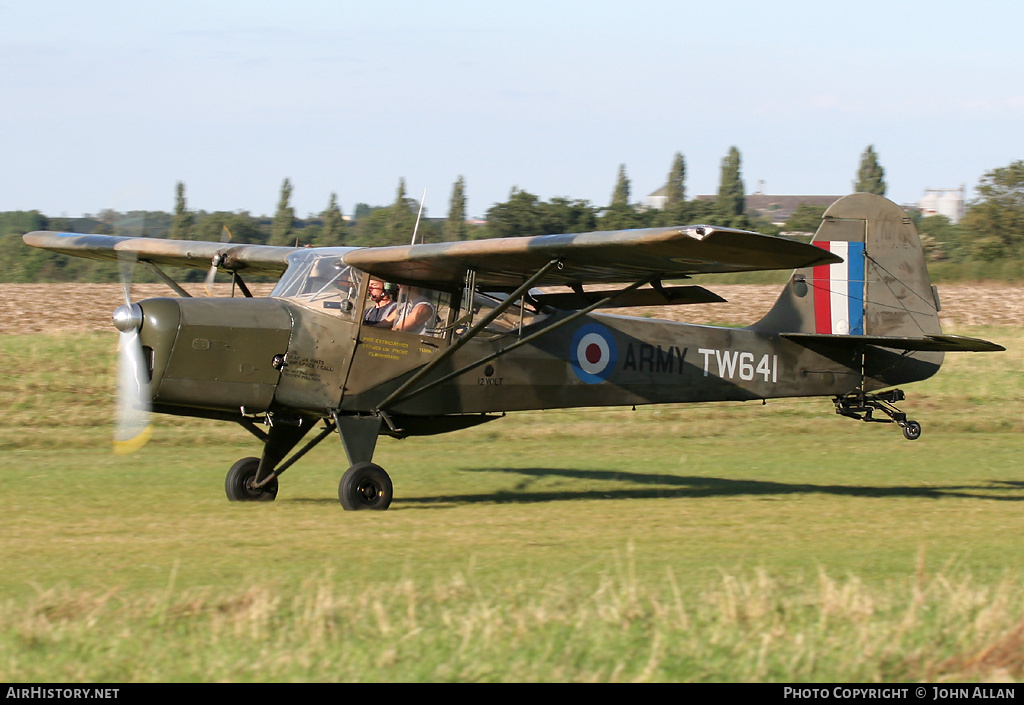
{"x": 365, "y": 486}
{"x": 238, "y": 483}
{"x": 912, "y": 430}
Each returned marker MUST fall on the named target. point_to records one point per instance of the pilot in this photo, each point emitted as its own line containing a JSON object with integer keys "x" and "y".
{"x": 383, "y": 295}
{"x": 418, "y": 313}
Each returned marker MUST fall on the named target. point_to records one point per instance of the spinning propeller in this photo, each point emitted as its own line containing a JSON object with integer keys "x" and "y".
{"x": 132, "y": 428}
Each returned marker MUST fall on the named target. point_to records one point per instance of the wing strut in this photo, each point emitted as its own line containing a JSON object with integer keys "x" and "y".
{"x": 166, "y": 279}
{"x": 391, "y": 400}
{"x": 467, "y": 336}
{"x": 236, "y": 279}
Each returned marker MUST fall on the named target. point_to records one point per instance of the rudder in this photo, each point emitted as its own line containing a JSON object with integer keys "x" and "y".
{"x": 881, "y": 288}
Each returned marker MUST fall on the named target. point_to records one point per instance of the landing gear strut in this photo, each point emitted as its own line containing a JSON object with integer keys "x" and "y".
{"x": 861, "y": 405}
{"x": 255, "y": 479}
{"x": 364, "y": 485}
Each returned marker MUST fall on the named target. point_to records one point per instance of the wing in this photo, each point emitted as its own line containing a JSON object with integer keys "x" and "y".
{"x": 254, "y": 259}
{"x": 598, "y": 257}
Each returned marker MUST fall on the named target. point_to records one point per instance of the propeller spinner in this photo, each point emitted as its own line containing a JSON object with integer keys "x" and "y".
{"x": 132, "y": 428}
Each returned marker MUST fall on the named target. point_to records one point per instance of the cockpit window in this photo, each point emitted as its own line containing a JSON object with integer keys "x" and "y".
{"x": 514, "y": 318}
{"x": 320, "y": 281}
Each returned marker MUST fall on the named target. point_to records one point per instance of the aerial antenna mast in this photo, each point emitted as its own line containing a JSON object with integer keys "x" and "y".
{"x": 418, "y": 214}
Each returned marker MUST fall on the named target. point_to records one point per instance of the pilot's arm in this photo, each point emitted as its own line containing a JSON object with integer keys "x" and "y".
{"x": 416, "y": 319}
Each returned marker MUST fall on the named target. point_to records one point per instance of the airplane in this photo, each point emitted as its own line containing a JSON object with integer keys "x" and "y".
{"x": 513, "y": 324}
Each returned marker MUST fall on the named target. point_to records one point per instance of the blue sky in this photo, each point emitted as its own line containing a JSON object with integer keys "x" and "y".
{"x": 109, "y": 104}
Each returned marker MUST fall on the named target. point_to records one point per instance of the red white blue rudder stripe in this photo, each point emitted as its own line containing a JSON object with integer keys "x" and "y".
{"x": 839, "y": 290}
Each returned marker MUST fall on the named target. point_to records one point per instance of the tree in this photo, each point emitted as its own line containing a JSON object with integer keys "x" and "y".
{"x": 401, "y": 218}
{"x": 805, "y": 219}
{"x": 731, "y": 200}
{"x": 676, "y": 210}
{"x": 455, "y": 226}
{"x": 184, "y": 220}
{"x": 676, "y": 193}
{"x": 994, "y": 222}
{"x": 940, "y": 238}
{"x": 333, "y": 230}
{"x": 524, "y": 215}
{"x": 621, "y": 194}
{"x": 244, "y": 229}
{"x": 561, "y": 215}
{"x": 284, "y": 221}
{"x": 390, "y": 225}
{"x": 518, "y": 216}
{"x": 870, "y": 174}
{"x": 620, "y": 215}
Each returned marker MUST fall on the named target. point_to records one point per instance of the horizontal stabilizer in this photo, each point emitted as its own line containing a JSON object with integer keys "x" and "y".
{"x": 930, "y": 343}
{"x": 667, "y": 296}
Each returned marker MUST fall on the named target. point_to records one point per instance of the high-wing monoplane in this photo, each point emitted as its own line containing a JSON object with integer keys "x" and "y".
{"x": 472, "y": 335}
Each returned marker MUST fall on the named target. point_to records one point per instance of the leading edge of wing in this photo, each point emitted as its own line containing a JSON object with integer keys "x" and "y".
{"x": 616, "y": 256}
{"x": 254, "y": 259}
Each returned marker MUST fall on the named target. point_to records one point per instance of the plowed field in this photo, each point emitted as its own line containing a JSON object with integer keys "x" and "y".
{"x": 35, "y": 308}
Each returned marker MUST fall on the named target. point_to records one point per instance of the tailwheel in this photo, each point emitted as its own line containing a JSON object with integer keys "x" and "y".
{"x": 859, "y": 405}
{"x": 239, "y": 484}
{"x": 365, "y": 486}
{"x": 911, "y": 430}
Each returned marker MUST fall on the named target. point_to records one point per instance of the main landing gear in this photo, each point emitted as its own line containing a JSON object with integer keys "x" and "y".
{"x": 239, "y": 487}
{"x": 861, "y": 405}
{"x": 363, "y": 486}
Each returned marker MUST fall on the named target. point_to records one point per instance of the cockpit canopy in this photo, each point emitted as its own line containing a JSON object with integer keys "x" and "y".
{"x": 320, "y": 279}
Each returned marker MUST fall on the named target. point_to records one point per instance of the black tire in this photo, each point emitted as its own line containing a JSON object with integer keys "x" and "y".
{"x": 365, "y": 486}
{"x": 238, "y": 484}
{"x": 912, "y": 430}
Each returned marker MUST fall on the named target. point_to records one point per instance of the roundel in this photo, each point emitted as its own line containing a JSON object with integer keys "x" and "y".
{"x": 593, "y": 353}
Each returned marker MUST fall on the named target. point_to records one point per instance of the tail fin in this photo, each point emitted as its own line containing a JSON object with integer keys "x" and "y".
{"x": 877, "y": 309}
{"x": 881, "y": 289}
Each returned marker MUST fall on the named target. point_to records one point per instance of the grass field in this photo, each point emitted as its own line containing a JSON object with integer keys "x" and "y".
{"x": 679, "y": 543}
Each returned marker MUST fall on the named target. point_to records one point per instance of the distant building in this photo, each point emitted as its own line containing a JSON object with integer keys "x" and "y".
{"x": 776, "y": 209}
{"x": 943, "y": 201}
{"x": 658, "y": 199}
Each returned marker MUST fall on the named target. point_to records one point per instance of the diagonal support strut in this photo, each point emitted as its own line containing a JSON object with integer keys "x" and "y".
{"x": 396, "y": 395}
{"x": 522, "y": 341}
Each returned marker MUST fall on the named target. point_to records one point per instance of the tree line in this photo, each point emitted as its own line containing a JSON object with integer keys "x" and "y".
{"x": 991, "y": 231}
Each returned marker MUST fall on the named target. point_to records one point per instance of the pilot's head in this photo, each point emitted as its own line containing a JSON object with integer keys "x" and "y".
{"x": 379, "y": 290}
{"x": 375, "y": 290}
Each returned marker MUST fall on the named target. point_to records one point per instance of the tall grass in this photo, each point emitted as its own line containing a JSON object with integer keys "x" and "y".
{"x": 616, "y": 628}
